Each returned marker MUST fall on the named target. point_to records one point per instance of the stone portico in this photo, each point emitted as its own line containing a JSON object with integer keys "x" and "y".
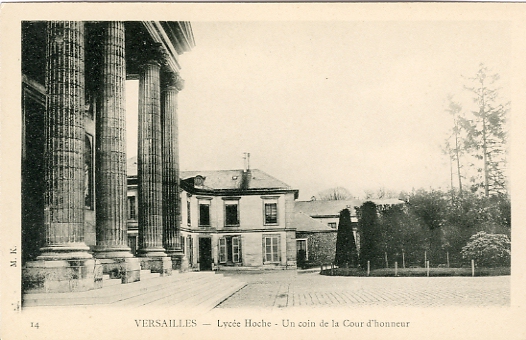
{"x": 74, "y": 177}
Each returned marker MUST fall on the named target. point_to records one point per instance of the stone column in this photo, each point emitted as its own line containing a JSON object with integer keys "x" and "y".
{"x": 64, "y": 264}
{"x": 149, "y": 166}
{"x": 172, "y": 84}
{"x": 111, "y": 190}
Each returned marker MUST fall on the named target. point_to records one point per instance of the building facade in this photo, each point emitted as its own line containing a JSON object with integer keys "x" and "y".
{"x": 232, "y": 219}
{"x": 74, "y": 181}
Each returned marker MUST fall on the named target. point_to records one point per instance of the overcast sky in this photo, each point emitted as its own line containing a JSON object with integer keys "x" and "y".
{"x": 322, "y": 104}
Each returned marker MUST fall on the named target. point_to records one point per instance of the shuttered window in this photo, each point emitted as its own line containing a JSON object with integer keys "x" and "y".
{"x": 222, "y": 250}
{"x": 230, "y": 249}
{"x": 236, "y": 249}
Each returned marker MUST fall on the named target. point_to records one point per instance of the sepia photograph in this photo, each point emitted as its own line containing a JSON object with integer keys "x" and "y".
{"x": 289, "y": 170}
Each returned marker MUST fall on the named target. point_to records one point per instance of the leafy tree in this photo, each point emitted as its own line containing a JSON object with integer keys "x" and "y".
{"x": 402, "y": 235}
{"x": 472, "y": 214}
{"x": 346, "y": 254}
{"x": 486, "y": 136}
{"x": 334, "y": 194}
{"x": 488, "y": 250}
{"x": 429, "y": 209}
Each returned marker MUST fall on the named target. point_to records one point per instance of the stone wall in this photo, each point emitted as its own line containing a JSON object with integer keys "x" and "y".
{"x": 321, "y": 246}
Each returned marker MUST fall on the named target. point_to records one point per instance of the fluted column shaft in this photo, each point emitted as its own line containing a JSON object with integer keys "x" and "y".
{"x": 149, "y": 159}
{"x": 170, "y": 150}
{"x": 64, "y": 146}
{"x": 110, "y": 170}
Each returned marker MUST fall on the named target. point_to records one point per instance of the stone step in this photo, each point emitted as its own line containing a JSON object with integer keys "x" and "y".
{"x": 181, "y": 292}
{"x": 110, "y": 282}
{"x": 147, "y": 274}
{"x": 108, "y": 294}
{"x": 215, "y": 300}
{"x": 207, "y": 300}
{"x": 203, "y": 296}
{"x": 153, "y": 296}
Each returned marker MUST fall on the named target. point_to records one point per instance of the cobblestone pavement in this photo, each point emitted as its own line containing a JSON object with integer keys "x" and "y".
{"x": 283, "y": 289}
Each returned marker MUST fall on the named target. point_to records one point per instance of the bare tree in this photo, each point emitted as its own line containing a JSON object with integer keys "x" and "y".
{"x": 381, "y": 193}
{"x": 453, "y": 146}
{"x": 334, "y": 194}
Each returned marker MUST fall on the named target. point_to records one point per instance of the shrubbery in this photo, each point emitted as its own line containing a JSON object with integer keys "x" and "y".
{"x": 488, "y": 250}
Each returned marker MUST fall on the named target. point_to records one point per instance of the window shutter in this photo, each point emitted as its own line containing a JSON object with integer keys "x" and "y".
{"x": 263, "y": 249}
{"x": 240, "y": 251}
{"x": 222, "y": 250}
{"x": 235, "y": 249}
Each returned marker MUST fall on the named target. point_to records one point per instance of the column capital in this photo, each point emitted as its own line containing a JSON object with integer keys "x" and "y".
{"x": 172, "y": 79}
{"x": 154, "y": 53}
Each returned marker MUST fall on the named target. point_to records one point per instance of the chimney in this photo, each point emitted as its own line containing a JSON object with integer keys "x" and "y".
{"x": 246, "y": 158}
{"x": 245, "y": 178}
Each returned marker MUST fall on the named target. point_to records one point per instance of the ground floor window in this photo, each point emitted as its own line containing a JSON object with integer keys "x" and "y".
{"x": 271, "y": 251}
{"x": 230, "y": 250}
{"x": 301, "y": 248}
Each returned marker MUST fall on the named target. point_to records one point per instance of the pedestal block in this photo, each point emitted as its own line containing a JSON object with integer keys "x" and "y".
{"x": 98, "y": 274}
{"x": 161, "y": 265}
{"x": 127, "y": 269}
{"x": 179, "y": 261}
{"x": 184, "y": 264}
{"x": 61, "y": 276}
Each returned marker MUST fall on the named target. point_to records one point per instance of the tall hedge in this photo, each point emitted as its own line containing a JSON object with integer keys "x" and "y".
{"x": 346, "y": 255}
{"x": 370, "y": 236}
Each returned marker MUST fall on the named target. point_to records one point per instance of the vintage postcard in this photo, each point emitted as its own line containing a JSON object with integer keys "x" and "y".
{"x": 265, "y": 170}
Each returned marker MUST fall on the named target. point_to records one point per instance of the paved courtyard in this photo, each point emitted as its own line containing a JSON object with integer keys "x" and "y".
{"x": 282, "y": 289}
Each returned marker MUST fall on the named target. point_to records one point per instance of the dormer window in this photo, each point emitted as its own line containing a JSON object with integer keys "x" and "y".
{"x": 199, "y": 181}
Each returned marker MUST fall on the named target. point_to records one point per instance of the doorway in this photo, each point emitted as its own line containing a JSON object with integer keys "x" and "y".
{"x": 205, "y": 253}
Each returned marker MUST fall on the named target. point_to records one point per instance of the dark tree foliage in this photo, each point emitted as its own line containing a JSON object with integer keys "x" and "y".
{"x": 430, "y": 223}
{"x": 346, "y": 255}
{"x": 404, "y": 237}
{"x": 371, "y": 236}
{"x": 430, "y": 208}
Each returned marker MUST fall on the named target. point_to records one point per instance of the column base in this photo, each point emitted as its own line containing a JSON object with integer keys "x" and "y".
{"x": 104, "y": 252}
{"x": 64, "y": 252}
{"x": 61, "y": 276}
{"x": 161, "y": 265}
{"x": 128, "y": 269}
